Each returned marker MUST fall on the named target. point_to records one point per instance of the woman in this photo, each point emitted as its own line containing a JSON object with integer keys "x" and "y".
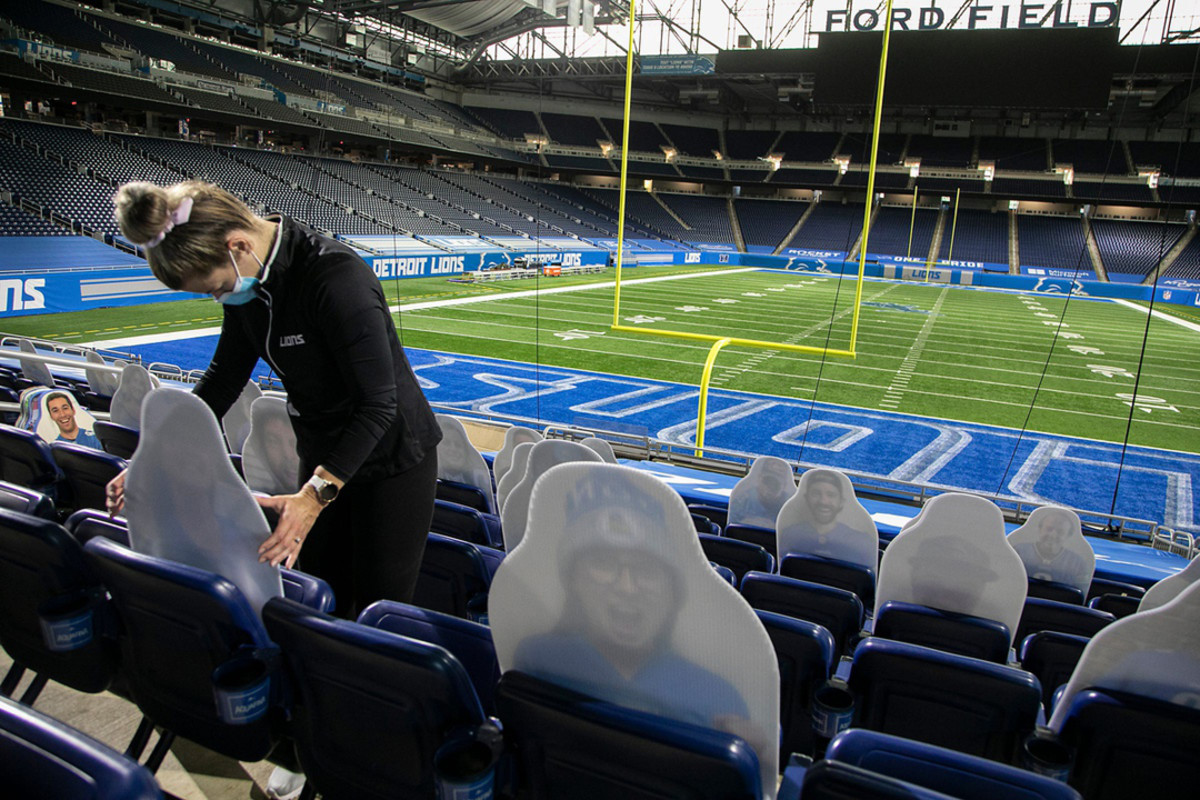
{"x": 316, "y": 314}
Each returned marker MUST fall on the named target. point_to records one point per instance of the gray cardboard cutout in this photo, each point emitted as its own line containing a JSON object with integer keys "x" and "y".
{"x": 954, "y": 556}
{"x": 757, "y": 498}
{"x": 1168, "y": 589}
{"x": 504, "y": 457}
{"x": 824, "y": 518}
{"x": 542, "y": 456}
{"x": 102, "y": 383}
{"x": 602, "y": 448}
{"x": 185, "y": 502}
{"x": 611, "y": 595}
{"x": 1153, "y": 653}
{"x": 236, "y": 422}
{"x": 516, "y": 471}
{"x": 269, "y": 458}
{"x": 126, "y": 408}
{"x": 35, "y": 371}
{"x": 459, "y": 461}
{"x": 1052, "y": 547}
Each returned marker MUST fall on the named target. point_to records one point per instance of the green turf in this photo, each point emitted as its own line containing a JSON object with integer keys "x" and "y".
{"x": 976, "y": 356}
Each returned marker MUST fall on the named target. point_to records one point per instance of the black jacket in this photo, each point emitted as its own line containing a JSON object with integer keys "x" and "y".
{"x": 321, "y": 322}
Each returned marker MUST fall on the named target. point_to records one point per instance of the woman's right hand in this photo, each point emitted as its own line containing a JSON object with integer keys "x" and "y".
{"x": 114, "y": 494}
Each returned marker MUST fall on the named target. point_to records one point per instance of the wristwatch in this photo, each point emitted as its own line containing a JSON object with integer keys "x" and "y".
{"x": 326, "y": 491}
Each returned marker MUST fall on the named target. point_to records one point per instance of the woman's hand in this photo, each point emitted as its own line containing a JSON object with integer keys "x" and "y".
{"x": 114, "y": 494}
{"x": 297, "y": 513}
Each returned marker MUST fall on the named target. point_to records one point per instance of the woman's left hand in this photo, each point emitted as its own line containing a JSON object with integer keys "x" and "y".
{"x": 297, "y": 513}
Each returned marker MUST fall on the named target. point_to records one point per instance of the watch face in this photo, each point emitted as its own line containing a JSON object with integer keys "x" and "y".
{"x": 327, "y": 493}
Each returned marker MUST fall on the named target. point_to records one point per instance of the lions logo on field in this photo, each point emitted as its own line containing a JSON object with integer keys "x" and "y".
{"x": 1059, "y": 286}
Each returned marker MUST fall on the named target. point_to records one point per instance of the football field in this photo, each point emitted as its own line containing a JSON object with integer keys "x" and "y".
{"x": 1041, "y": 362}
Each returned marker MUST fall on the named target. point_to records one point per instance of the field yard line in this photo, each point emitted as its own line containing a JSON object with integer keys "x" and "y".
{"x": 173, "y": 336}
{"x": 1183, "y": 323}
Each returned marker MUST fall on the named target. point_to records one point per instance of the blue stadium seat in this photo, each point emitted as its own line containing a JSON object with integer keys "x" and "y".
{"x": 26, "y": 501}
{"x": 947, "y": 631}
{"x": 455, "y": 577}
{"x": 42, "y": 757}
{"x": 1049, "y": 615}
{"x": 1102, "y": 586}
{"x": 307, "y": 590}
{"x": 117, "y": 439}
{"x": 1051, "y": 590}
{"x": 763, "y": 537}
{"x": 460, "y": 521}
{"x": 86, "y": 473}
{"x": 806, "y": 655}
{"x": 463, "y": 494}
{"x": 718, "y": 514}
{"x": 1130, "y": 746}
{"x": 89, "y": 523}
{"x": 835, "y": 780}
{"x": 741, "y": 557}
{"x": 26, "y": 460}
{"x": 179, "y": 625}
{"x": 370, "y": 707}
{"x": 963, "y": 703}
{"x": 943, "y": 770}
{"x": 53, "y": 617}
{"x": 1052, "y": 657}
{"x": 469, "y": 642}
{"x": 726, "y": 573}
{"x": 832, "y": 572}
{"x": 838, "y": 611}
{"x": 705, "y": 525}
{"x": 570, "y": 745}
{"x": 1119, "y": 605}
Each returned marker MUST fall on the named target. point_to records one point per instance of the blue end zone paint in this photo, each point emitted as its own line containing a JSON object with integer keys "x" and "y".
{"x": 1081, "y": 473}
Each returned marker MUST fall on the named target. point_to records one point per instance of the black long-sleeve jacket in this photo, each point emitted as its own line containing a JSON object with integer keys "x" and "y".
{"x": 321, "y": 322}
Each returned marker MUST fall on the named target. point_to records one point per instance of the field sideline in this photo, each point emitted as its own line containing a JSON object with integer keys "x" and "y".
{"x": 937, "y": 351}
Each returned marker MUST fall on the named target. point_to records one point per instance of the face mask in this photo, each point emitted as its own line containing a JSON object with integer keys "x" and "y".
{"x": 243, "y": 288}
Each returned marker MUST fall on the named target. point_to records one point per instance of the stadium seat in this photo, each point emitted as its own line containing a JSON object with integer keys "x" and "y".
{"x": 1126, "y": 745}
{"x": 86, "y": 473}
{"x": 1049, "y": 615}
{"x": 726, "y": 573}
{"x": 53, "y": 609}
{"x": 568, "y": 744}
{"x": 741, "y": 557}
{"x": 832, "y": 572}
{"x": 42, "y": 757}
{"x": 757, "y": 498}
{"x": 455, "y": 577}
{"x": 1052, "y": 657}
{"x": 717, "y": 514}
{"x": 1051, "y": 590}
{"x": 89, "y": 523}
{"x": 1119, "y": 605}
{"x": 26, "y": 460}
{"x": 705, "y": 525}
{"x": 469, "y": 642}
{"x": 835, "y": 780}
{"x": 464, "y": 522}
{"x": 754, "y": 534}
{"x": 179, "y": 624}
{"x": 27, "y": 501}
{"x": 951, "y": 772}
{"x": 964, "y": 635}
{"x": 1101, "y": 586}
{"x": 953, "y": 701}
{"x": 307, "y": 590}
{"x": 838, "y": 611}
{"x": 825, "y": 521}
{"x": 117, "y": 439}
{"x": 807, "y": 656}
{"x": 461, "y": 468}
{"x": 954, "y": 556}
{"x": 370, "y": 708}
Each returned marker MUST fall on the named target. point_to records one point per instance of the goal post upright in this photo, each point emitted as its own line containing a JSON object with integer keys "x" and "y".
{"x": 624, "y": 169}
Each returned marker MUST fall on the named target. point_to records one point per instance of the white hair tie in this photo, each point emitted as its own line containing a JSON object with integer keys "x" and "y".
{"x": 180, "y": 215}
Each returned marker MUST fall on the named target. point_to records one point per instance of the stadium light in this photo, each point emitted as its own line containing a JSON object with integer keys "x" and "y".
{"x": 843, "y": 163}
{"x": 914, "y": 167}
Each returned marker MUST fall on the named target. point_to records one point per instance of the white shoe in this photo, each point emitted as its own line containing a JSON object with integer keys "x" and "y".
{"x": 285, "y": 784}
